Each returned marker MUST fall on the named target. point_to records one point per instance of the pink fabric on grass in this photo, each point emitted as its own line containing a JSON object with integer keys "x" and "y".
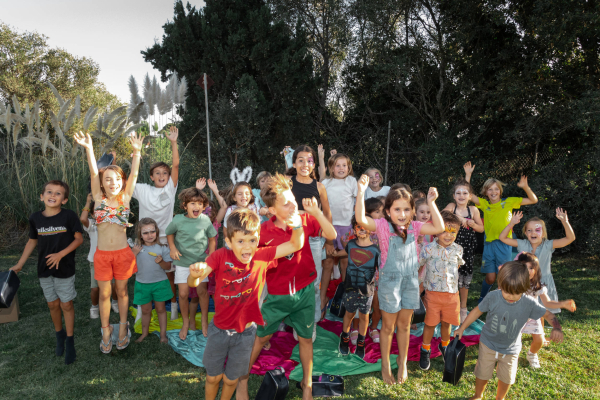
{"x": 282, "y": 345}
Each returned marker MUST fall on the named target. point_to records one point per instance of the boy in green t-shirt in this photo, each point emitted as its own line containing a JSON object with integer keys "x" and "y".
{"x": 497, "y": 213}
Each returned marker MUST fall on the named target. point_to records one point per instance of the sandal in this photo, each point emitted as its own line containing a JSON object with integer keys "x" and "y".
{"x": 374, "y": 335}
{"x": 109, "y": 345}
{"x": 120, "y": 345}
{"x": 354, "y": 337}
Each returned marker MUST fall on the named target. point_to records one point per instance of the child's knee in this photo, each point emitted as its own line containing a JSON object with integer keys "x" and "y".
{"x": 121, "y": 291}
{"x": 202, "y": 290}
{"x": 68, "y": 306}
{"x": 229, "y": 382}
{"x": 159, "y": 306}
{"x": 538, "y": 339}
{"x": 214, "y": 379}
{"x": 54, "y": 305}
{"x": 184, "y": 293}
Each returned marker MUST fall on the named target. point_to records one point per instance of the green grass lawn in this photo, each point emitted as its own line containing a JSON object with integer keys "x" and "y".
{"x": 29, "y": 368}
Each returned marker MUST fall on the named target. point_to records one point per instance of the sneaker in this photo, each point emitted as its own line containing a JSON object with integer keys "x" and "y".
{"x": 534, "y": 362}
{"x": 94, "y": 312}
{"x": 374, "y": 333}
{"x": 344, "y": 346}
{"x": 463, "y": 314}
{"x": 424, "y": 362}
{"x": 115, "y": 306}
{"x": 360, "y": 350}
{"x": 354, "y": 337}
{"x": 314, "y": 336}
{"x": 443, "y": 350}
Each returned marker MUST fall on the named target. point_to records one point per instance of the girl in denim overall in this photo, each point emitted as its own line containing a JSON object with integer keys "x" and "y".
{"x": 398, "y": 277}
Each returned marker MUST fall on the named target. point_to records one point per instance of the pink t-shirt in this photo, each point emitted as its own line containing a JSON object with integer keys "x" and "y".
{"x": 382, "y": 229}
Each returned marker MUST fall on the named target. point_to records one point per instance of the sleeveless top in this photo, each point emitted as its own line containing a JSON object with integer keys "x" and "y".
{"x": 468, "y": 240}
{"x": 305, "y": 191}
{"x": 113, "y": 215}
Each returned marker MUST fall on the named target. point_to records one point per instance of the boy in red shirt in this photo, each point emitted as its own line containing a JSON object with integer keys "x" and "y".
{"x": 291, "y": 296}
{"x": 240, "y": 275}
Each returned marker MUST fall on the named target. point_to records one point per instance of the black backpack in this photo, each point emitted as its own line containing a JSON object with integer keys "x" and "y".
{"x": 419, "y": 314}
{"x": 274, "y": 386}
{"x": 454, "y": 361}
{"x": 337, "y": 307}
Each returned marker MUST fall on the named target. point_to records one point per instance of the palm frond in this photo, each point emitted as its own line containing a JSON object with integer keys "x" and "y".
{"x": 135, "y": 111}
{"x": 118, "y": 121}
{"x": 56, "y": 94}
{"x": 16, "y": 130}
{"x": 132, "y": 128}
{"x": 112, "y": 115}
{"x": 89, "y": 117}
{"x": 149, "y": 94}
{"x": 16, "y": 105}
{"x": 63, "y": 111}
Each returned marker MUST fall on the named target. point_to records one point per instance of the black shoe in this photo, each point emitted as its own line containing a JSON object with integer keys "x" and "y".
{"x": 424, "y": 362}
{"x": 344, "y": 347}
{"x": 70, "y": 354}
{"x": 61, "y": 336}
{"x": 360, "y": 347}
{"x": 443, "y": 350}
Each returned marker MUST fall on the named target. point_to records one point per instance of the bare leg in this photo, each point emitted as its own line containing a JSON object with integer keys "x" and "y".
{"x": 464, "y": 295}
{"x": 445, "y": 331}
{"x": 211, "y": 386}
{"x": 546, "y": 342}
{"x": 56, "y": 315}
{"x": 146, "y": 316}
{"x": 242, "y": 386}
{"x": 105, "y": 288}
{"x": 204, "y": 299}
{"x": 114, "y": 291}
{"x": 536, "y": 343}
{"x": 306, "y": 358}
{"x": 343, "y": 266}
{"x": 171, "y": 276}
{"x": 184, "y": 291}
{"x": 69, "y": 313}
{"x": 123, "y": 298}
{"x": 348, "y": 318}
{"x": 228, "y": 388}
{"x": 363, "y": 323}
{"x": 385, "y": 344}
{"x": 502, "y": 390}
{"x": 480, "y": 385}
{"x": 490, "y": 278}
{"x": 95, "y": 296}
{"x": 428, "y": 331}
{"x": 403, "y": 338}
{"x": 325, "y": 278}
{"x": 161, "y": 312}
{"x": 193, "y": 310}
{"x": 376, "y": 312}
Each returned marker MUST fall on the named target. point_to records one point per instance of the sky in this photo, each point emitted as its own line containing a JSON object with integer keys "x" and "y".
{"x": 110, "y": 32}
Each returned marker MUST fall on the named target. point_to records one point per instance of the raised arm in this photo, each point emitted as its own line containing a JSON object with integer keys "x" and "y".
{"x": 567, "y": 240}
{"x": 172, "y": 136}
{"x": 322, "y": 164}
{"x": 324, "y": 201}
{"x": 296, "y": 241}
{"x": 437, "y": 223}
{"x": 198, "y": 272}
{"x": 83, "y": 218}
{"x": 311, "y": 206}
{"x": 531, "y": 197}
{"x": 136, "y": 142}
{"x": 565, "y": 304}
{"x": 222, "y": 203}
{"x": 468, "y": 172}
{"x": 85, "y": 141}
{"x": 359, "y": 209}
{"x": 516, "y": 218}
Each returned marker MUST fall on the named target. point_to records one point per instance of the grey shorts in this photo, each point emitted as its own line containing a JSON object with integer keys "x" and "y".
{"x": 58, "y": 288}
{"x": 93, "y": 282}
{"x": 354, "y": 301}
{"x": 223, "y": 343}
{"x": 464, "y": 281}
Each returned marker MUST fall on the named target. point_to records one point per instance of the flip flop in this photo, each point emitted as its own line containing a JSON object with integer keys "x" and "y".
{"x": 108, "y": 345}
{"x": 120, "y": 345}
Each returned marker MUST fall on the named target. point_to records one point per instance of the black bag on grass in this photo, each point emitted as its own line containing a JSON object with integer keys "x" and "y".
{"x": 337, "y": 307}
{"x": 326, "y": 386}
{"x": 419, "y": 314}
{"x": 9, "y": 284}
{"x": 454, "y": 361}
{"x": 274, "y": 386}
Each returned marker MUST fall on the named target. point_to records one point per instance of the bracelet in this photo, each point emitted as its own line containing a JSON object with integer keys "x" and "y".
{"x": 86, "y": 209}
{"x": 297, "y": 227}
{"x": 137, "y": 154}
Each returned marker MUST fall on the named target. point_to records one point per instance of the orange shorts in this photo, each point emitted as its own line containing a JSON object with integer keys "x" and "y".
{"x": 118, "y": 264}
{"x": 441, "y": 307}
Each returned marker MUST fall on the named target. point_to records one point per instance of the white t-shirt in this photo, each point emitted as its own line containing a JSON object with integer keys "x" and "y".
{"x": 156, "y": 203}
{"x": 92, "y": 231}
{"x": 342, "y": 196}
{"x": 382, "y": 192}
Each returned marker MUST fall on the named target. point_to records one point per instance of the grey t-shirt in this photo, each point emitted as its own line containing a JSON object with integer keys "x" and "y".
{"x": 148, "y": 270}
{"x": 504, "y": 321}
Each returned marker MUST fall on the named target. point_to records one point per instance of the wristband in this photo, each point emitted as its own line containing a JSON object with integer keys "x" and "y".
{"x": 137, "y": 154}
{"x": 297, "y": 227}
{"x": 86, "y": 209}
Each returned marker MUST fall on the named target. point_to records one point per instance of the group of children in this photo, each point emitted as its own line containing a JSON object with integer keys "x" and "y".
{"x": 281, "y": 243}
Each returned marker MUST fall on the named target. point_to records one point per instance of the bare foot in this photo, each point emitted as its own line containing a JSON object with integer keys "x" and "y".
{"x": 164, "y": 339}
{"x": 123, "y": 331}
{"x": 267, "y": 346}
{"x": 242, "y": 390}
{"x": 141, "y": 338}
{"x": 205, "y": 330}
{"x": 402, "y": 374}
{"x": 184, "y": 331}
{"x": 386, "y": 374}
{"x": 192, "y": 326}
{"x": 306, "y": 392}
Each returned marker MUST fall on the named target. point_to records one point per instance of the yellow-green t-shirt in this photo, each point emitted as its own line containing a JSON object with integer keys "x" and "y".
{"x": 497, "y": 216}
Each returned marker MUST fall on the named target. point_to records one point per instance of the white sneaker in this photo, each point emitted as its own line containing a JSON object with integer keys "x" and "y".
{"x": 174, "y": 311}
{"x": 534, "y": 362}
{"x": 463, "y": 314}
{"x": 94, "y": 312}
{"x": 115, "y": 306}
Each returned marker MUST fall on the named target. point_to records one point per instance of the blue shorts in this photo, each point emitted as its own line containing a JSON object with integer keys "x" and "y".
{"x": 495, "y": 253}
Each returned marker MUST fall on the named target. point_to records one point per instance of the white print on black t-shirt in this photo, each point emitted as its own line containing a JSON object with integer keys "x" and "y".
{"x": 52, "y": 230}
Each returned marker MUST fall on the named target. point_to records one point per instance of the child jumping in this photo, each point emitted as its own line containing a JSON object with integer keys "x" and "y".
{"x": 240, "y": 274}
{"x": 151, "y": 282}
{"x": 507, "y": 313}
{"x": 189, "y": 236}
{"x": 56, "y": 232}
{"x": 398, "y": 281}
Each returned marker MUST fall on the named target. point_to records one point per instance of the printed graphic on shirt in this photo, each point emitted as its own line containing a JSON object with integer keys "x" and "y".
{"x": 51, "y": 230}
{"x": 235, "y": 287}
{"x": 505, "y": 326}
{"x": 360, "y": 256}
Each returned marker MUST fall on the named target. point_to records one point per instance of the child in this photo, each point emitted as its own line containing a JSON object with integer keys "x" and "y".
{"x": 537, "y": 243}
{"x": 423, "y": 214}
{"x": 261, "y": 180}
{"x": 376, "y": 188}
{"x": 440, "y": 260}
{"x": 496, "y": 212}
{"x": 113, "y": 257}
{"x": 398, "y": 282}
{"x": 343, "y": 188}
{"x": 151, "y": 282}
{"x": 240, "y": 196}
{"x": 189, "y": 235}
{"x": 507, "y": 313}
{"x": 56, "y": 232}
{"x": 157, "y": 202}
{"x": 240, "y": 274}
{"x": 291, "y": 295}
{"x": 363, "y": 261}
{"x": 539, "y": 292}
{"x": 470, "y": 222}
{"x": 89, "y": 225}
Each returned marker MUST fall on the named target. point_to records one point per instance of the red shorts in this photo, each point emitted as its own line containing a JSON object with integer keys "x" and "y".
{"x": 441, "y": 306}
{"x": 118, "y": 264}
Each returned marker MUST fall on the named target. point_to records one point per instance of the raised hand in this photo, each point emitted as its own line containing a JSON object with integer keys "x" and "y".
{"x": 136, "y": 249}
{"x": 523, "y": 182}
{"x": 311, "y": 206}
{"x": 432, "y": 195}
{"x": 363, "y": 183}
{"x": 294, "y": 220}
{"x": 213, "y": 186}
{"x": 173, "y": 133}
{"x": 333, "y": 152}
{"x": 201, "y": 183}
{"x": 516, "y": 217}
{"x": 562, "y": 215}
{"x": 570, "y": 305}
{"x": 197, "y": 269}
{"x": 469, "y": 168}
{"x": 321, "y": 152}
{"x": 84, "y": 140}
{"x": 136, "y": 140}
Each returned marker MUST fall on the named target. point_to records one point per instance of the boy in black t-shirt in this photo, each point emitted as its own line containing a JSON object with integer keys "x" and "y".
{"x": 57, "y": 233}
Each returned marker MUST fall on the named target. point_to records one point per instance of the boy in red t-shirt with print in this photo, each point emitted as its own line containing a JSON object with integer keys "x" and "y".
{"x": 240, "y": 275}
{"x": 291, "y": 295}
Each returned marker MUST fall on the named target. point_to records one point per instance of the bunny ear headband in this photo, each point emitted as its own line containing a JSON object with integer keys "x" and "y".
{"x": 236, "y": 176}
